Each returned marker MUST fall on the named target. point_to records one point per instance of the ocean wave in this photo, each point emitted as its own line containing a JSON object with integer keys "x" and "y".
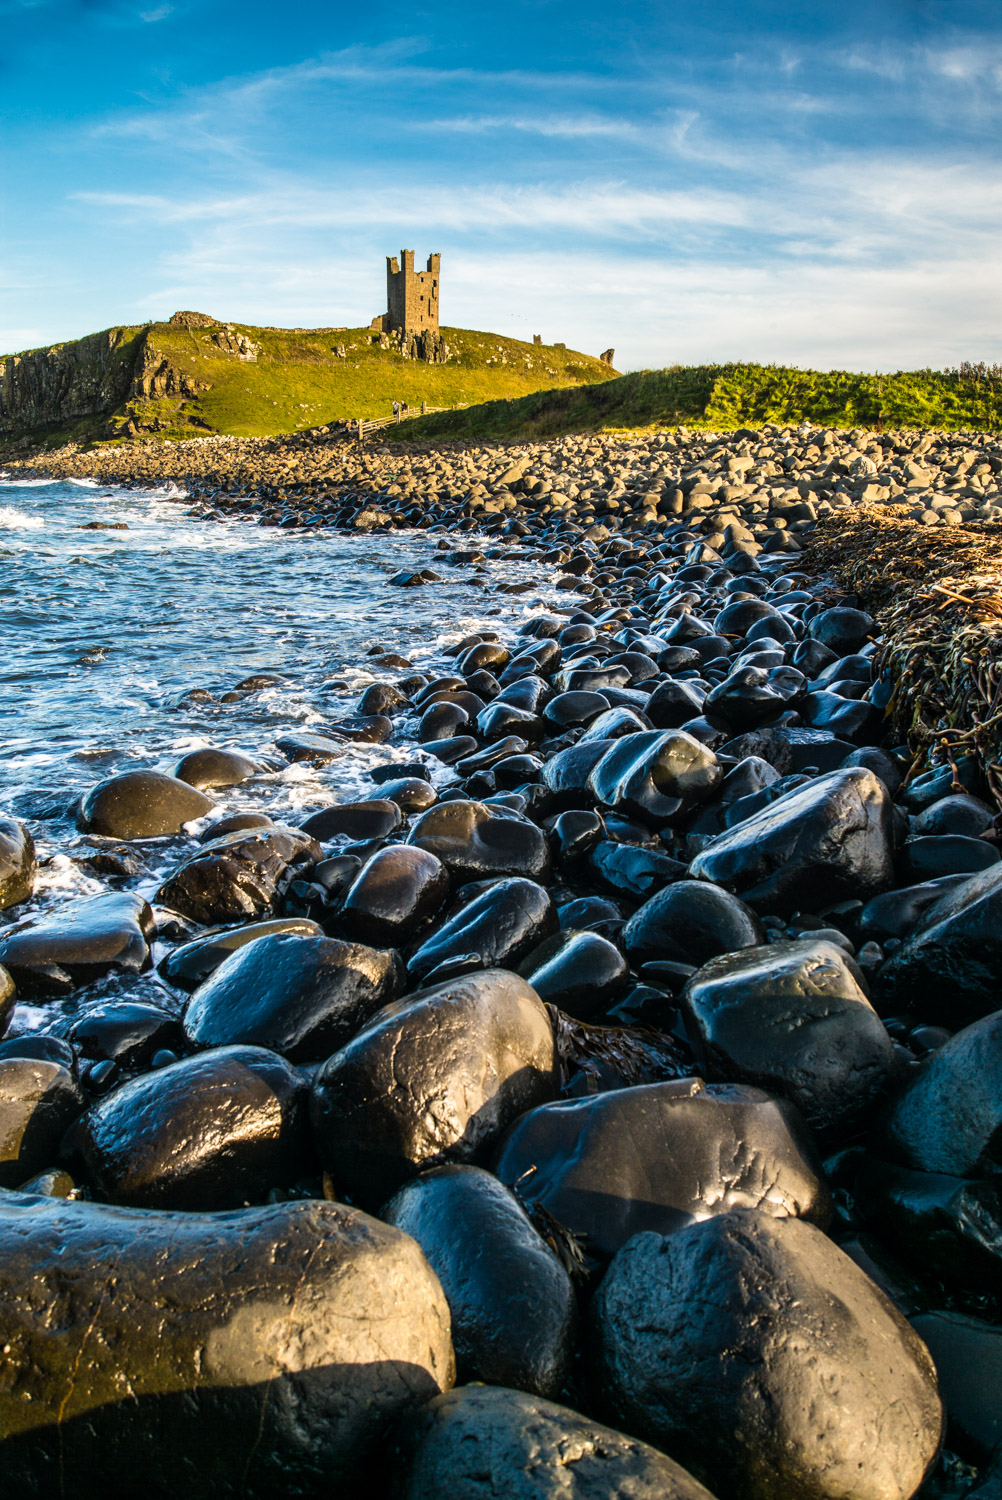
{"x": 16, "y": 520}
{"x": 85, "y": 484}
{"x": 25, "y": 484}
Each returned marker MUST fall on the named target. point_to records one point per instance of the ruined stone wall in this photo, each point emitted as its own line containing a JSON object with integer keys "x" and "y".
{"x": 412, "y": 296}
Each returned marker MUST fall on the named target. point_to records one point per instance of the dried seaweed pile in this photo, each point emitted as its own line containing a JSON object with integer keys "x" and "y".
{"x": 936, "y": 593}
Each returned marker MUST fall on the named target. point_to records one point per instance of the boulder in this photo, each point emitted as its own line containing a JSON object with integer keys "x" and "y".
{"x": 600, "y": 1165}
{"x": 77, "y": 943}
{"x": 656, "y": 775}
{"x": 393, "y": 895}
{"x": 514, "y": 1311}
{"x": 373, "y": 819}
{"x": 38, "y": 1101}
{"x": 581, "y": 973}
{"x": 968, "y": 1357}
{"x": 214, "y": 1131}
{"x": 949, "y": 970}
{"x": 126, "y": 1032}
{"x": 141, "y": 805}
{"x": 239, "y": 875}
{"x": 187, "y": 966}
{"x": 18, "y": 867}
{"x": 209, "y": 767}
{"x": 792, "y": 1018}
{"x": 474, "y": 841}
{"x": 496, "y": 929}
{"x": 437, "y": 1077}
{"x": 825, "y": 842}
{"x": 767, "y": 1361}
{"x": 301, "y": 996}
{"x": 481, "y": 1441}
{"x": 258, "y": 1354}
{"x": 690, "y": 922}
{"x": 948, "y": 1226}
{"x": 948, "y": 1118}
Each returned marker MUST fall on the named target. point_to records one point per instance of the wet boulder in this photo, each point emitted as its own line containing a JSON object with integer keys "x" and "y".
{"x": 394, "y": 894}
{"x": 825, "y": 842}
{"x": 632, "y": 871}
{"x": 792, "y": 1018}
{"x": 690, "y": 922}
{"x": 8, "y": 999}
{"x": 127, "y": 1033}
{"x": 209, "y": 1132}
{"x": 256, "y": 1354}
{"x": 514, "y": 1311}
{"x": 841, "y": 628}
{"x": 600, "y": 1165}
{"x": 38, "y": 1102}
{"x": 18, "y": 866}
{"x": 475, "y": 841}
{"x": 238, "y": 876}
{"x": 761, "y": 1356}
{"x": 141, "y": 805}
{"x": 497, "y": 929}
{"x": 748, "y": 696}
{"x": 410, "y": 793}
{"x": 373, "y": 819}
{"x": 655, "y": 775}
{"x": 301, "y": 996}
{"x": 581, "y": 973}
{"x": 968, "y": 1357}
{"x": 948, "y": 1118}
{"x": 479, "y": 1441}
{"x": 435, "y": 1078}
{"x": 185, "y": 967}
{"x": 948, "y": 1226}
{"x": 209, "y": 767}
{"x": 77, "y": 943}
{"x": 949, "y": 970}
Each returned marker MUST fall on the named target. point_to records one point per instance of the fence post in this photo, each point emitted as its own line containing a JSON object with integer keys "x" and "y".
{"x": 424, "y": 407}
{"x": 360, "y": 424}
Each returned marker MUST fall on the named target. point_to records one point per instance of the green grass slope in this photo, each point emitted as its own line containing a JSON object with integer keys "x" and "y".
{"x": 299, "y": 378}
{"x": 722, "y": 397}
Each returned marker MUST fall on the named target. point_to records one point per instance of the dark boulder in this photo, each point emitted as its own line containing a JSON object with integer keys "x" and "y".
{"x": 767, "y": 1361}
{"x": 474, "y": 841}
{"x": 127, "y": 1033}
{"x": 581, "y": 973}
{"x": 499, "y": 927}
{"x": 632, "y": 871}
{"x": 259, "y": 1354}
{"x": 141, "y": 805}
{"x": 214, "y": 1131}
{"x": 968, "y": 1357}
{"x": 38, "y": 1102}
{"x": 209, "y": 767}
{"x": 393, "y": 895}
{"x": 794, "y": 1019}
{"x": 600, "y": 1165}
{"x": 435, "y": 1078}
{"x": 690, "y": 922}
{"x": 78, "y": 942}
{"x": 513, "y": 1306}
{"x": 825, "y": 842}
{"x": 948, "y": 1118}
{"x": 301, "y": 996}
{"x": 948, "y": 1226}
{"x": 239, "y": 875}
{"x": 949, "y": 970}
{"x": 187, "y": 966}
{"x": 482, "y": 1441}
{"x": 18, "y": 867}
{"x": 655, "y": 775}
{"x": 373, "y": 819}
{"x": 842, "y": 629}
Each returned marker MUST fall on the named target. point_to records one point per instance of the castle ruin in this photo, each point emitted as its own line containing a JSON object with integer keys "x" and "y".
{"x": 412, "y": 307}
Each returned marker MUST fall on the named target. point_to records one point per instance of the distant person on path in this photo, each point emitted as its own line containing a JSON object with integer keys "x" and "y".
{"x": 396, "y": 410}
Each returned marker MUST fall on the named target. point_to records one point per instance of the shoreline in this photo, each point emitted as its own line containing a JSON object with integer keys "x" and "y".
{"x": 683, "y": 883}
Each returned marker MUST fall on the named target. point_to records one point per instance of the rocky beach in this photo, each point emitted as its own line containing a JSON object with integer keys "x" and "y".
{"x": 500, "y": 986}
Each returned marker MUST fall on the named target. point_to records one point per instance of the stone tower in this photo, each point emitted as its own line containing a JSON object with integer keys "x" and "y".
{"x": 411, "y": 296}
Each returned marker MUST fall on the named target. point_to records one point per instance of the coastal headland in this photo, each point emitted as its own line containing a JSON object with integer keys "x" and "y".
{"x": 619, "y": 1076}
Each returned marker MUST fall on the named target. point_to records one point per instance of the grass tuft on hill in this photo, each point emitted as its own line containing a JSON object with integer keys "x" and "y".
{"x": 725, "y": 397}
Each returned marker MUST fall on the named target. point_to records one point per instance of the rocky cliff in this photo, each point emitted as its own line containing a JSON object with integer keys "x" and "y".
{"x": 57, "y": 386}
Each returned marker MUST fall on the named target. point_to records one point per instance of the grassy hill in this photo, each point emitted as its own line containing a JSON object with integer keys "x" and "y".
{"x": 722, "y": 397}
{"x": 256, "y": 382}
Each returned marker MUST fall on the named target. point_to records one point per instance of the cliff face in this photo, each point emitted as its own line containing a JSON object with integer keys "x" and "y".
{"x": 86, "y": 378}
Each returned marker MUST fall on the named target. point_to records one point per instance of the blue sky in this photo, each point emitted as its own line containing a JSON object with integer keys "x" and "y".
{"x": 814, "y": 183}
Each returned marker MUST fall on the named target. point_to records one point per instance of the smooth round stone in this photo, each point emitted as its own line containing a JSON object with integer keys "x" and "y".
{"x": 514, "y": 1310}
{"x": 393, "y": 895}
{"x": 499, "y": 926}
{"x": 656, "y": 775}
{"x": 141, "y": 805}
{"x": 896, "y": 913}
{"x": 580, "y": 973}
{"x": 435, "y": 1078}
{"x": 314, "y": 749}
{"x": 18, "y": 866}
{"x": 441, "y": 721}
{"x": 673, "y": 704}
{"x": 235, "y": 823}
{"x": 629, "y": 871}
{"x": 127, "y": 1033}
{"x": 382, "y": 698}
{"x": 41, "y": 1047}
{"x": 481, "y": 1440}
{"x": 935, "y": 855}
{"x": 750, "y": 695}
{"x": 565, "y": 710}
{"x": 968, "y": 1357}
{"x": 792, "y": 1018}
{"x": 300, "y": 996}
{"x": 841, "y": 629}
{"x": 600, "y": 1167}
{"x": 947, "y": 1227}
{"x": 8, "y": 999}
{"x": 209, "y": 1132}
{"x": 949, "y": 969}
{"x": 77, "y": 943}
{"x": 209, "y": 768}
{"x": 825, "y": 842}
{"x": 187, "y": 966}
{"x": 355, "y": 820}
{"x": 767, "y": 1361}
{"x": 337, "y": 1319}
{"x": 38, "y": 1101}
{"x": 474, "y": 841}
{"x": 948, "y": 1117}
{"x": 238, "y": 876}
{"x": 410, "y": 793}
{"x": 690, "y": 922}
{"x": 958, "y": 813}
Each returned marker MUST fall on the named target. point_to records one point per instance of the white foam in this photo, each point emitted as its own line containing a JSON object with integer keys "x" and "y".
{"x": 16, "y": 520}
{"x": 85, "y": 484}
{"x": 25, "y": 484}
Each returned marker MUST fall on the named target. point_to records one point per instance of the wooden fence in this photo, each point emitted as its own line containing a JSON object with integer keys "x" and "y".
{"x": 362, "y": 428}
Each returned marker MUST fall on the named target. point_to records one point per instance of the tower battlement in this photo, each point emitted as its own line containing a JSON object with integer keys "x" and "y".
{"x": 411, "y": 296}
